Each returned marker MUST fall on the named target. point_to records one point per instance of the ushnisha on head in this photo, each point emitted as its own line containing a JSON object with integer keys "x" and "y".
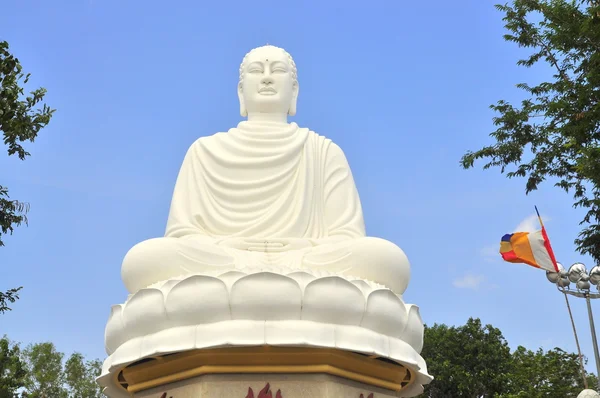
{"x": 268, "y": 83}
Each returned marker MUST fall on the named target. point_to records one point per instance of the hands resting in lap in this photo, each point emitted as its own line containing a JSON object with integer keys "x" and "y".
{"x": 267, "y": 245}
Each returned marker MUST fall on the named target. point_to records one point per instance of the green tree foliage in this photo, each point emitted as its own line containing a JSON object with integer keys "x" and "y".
{"x": 45, "y": 377}
{"x": 474, "y": 361}
{"x": 48, "y": 376}
{"x": 80, "y": 376}
{"x": 554, "y": 133}
{"x": 12, "y": 369}
{"x": 469, "y": 361}
{"x": 8, "y": 297}
{"x": 540, "y": 374}
{"x": 21, "y": 119}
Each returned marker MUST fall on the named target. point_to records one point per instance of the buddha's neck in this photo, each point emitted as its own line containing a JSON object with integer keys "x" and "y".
{"x": 268, "y": 117}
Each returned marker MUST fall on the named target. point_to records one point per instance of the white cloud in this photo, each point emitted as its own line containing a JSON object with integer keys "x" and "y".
{"x": 530, "y": 224}
{"x": 469, "y": 281}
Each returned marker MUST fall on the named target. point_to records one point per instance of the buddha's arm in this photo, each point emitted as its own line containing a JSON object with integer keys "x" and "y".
{"x": 343, "y": 211}
{"x": 188, "y": 188}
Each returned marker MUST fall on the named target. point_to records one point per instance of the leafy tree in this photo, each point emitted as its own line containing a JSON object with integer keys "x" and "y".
{"x": 12, "y": 369}
{"x": 80, "y": 376}
{"x": 474, "y": 361}
{"x": 10, "y": 296}
{"x": 555, "y": 132}
{"x": 39, "y": 372}
{"x": 21, "y": 119}
{"x": 551, "y": 374}
{"x": 469, "y": 361}
{"x": 45, "y": 376}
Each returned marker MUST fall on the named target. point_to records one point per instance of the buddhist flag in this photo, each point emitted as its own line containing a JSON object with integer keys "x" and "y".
{"x": 531, "y": 248}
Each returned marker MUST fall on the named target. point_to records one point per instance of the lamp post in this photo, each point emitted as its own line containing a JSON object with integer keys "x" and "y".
{"x": 583, "y": 281}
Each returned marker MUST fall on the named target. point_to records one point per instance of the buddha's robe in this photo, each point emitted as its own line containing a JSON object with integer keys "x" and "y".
{"x": 287, "y": 190}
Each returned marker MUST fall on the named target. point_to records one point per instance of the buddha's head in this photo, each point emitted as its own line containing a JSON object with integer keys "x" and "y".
{"x": 268, "y": 82}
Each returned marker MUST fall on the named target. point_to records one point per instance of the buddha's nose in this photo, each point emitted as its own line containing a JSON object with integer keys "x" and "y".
{"x": 267, "y": 80}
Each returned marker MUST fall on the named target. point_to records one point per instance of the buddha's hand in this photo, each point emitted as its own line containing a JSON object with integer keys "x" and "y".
{"x": 279, "y": 245}
{"x": 266, "y": 245}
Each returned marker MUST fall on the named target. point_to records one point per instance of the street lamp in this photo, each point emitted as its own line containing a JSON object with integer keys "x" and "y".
{"x": 583, "y": 281}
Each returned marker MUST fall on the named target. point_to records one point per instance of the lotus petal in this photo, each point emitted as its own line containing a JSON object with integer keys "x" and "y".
{"x": 198, "y": 299}
{"x": 114, "y": 333}
{"x": 302, "y": 278}
{"x": 413, "y": 333}
{"x": 145, "y": 313}
{"x": 266, "y": 296}
{"x": 333, "y": 300}
{"x": 386, "y": 313}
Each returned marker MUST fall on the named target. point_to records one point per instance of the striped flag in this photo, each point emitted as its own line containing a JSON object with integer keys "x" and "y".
{"x": 532, "y": 248}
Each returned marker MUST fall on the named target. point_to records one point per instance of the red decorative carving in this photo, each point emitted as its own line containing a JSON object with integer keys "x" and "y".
{"x": 265, "y": 393}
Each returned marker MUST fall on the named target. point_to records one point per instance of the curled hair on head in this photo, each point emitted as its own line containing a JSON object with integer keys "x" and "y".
{"x": 289, "y": 57}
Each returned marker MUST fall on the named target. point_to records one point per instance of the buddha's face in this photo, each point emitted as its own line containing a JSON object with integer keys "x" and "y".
{"x": 267, "y": 85}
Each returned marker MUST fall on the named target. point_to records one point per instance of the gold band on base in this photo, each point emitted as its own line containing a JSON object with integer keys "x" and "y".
{"x": 158, "y": 371}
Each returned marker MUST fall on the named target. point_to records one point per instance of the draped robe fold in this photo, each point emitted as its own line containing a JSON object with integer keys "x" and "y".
{"x": 265, "y": 181}
{"x": 262, "y": 180}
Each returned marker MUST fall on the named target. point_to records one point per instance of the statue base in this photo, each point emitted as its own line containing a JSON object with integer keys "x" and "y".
{"x": 267, "y": 386}
{"x": 263, "y": 323}
{"x": 268, "y": 372}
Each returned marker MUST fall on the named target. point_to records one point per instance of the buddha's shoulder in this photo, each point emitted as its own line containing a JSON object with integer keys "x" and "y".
{"x": 208, "y": 139}
{"x": 331, "y": 145}
{"x": 331, "y": 148}
{"x": 318, "y": 136}
{"x": 209, "y": 142}
{"x": 211, "y": 137}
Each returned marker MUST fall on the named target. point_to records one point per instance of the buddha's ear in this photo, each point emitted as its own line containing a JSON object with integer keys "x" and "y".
{"x": 243, "y": 110}
{"x": 293, "y": 104}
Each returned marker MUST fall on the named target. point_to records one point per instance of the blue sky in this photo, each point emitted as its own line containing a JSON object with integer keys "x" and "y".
{"x": 402, "y": 87}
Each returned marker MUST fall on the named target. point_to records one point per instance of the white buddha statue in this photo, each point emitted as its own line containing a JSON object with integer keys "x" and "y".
{"x": 266, "y": 194}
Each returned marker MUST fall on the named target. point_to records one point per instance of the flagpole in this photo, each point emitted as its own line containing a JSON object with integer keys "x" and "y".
{"x": 585, "y": 383}
{"x": 539, "y": 217}
{"x": 594, "y": 341}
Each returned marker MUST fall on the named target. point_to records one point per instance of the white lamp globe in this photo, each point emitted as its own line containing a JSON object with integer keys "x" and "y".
{"x": 576, "y": 271}
{"x": 588, "y": 394}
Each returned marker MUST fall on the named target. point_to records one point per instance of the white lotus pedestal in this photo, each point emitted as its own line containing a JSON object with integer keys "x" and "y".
{"x": 264, "y": 334}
